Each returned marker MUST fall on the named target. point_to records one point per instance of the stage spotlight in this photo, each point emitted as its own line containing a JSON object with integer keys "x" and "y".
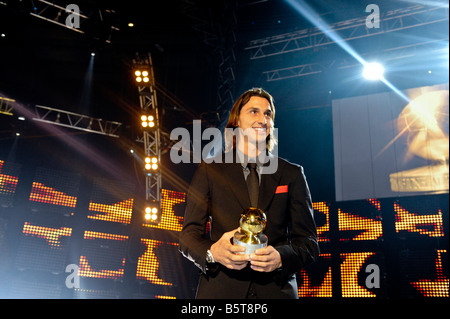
{"x": 142, "y": 76}
{"x": 373, "y": 71}
{"x": 151, "y": 212}
{"x": 151, "y": 163}
{"x": 138, "y": 74}
{"x": 148, "y": 121}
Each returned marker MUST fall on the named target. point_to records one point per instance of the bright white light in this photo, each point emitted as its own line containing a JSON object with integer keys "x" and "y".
{"x": 93, "y": 54}
{"x": 307, "y": 12}
{"x": 373, "y": 71}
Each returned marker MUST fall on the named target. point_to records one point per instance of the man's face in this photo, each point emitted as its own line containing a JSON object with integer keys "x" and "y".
{"x": 255, "y": 119}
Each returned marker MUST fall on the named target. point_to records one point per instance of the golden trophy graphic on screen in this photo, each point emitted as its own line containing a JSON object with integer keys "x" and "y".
{"x": 252, "y": 222}
{"x": 424, "y": 121}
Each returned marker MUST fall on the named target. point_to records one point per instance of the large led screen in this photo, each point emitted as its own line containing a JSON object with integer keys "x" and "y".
{"x": 391, "y": 144}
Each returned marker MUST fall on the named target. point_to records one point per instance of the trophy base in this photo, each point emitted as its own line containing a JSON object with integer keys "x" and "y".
{"x": 250, "y": 247}
{"x": 431, "y": 179}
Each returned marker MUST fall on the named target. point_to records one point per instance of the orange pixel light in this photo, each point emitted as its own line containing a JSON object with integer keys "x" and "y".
{"x": 86, "y": 270}
{"x": 406, "y": 221}
{"x": 322, "y": 291}
{"x": 350, "y": 267}
{"x": 8, "y": 183}
{"x": 96, "y": 235}
{"x": 438, "y": 287}
{"x": 51, "y": 235}
{"x": 43, "y": 194}
{"x": 169, "y": 221}
{"x": 323, "y": 208}
{"x": 119, "y": 212}
{"x": 148, "y": 263}
{"x": 371, "y": 228}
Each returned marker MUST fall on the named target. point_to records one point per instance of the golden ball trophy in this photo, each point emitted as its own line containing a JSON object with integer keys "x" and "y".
{"x": 425, "y": 122}
{"x": 252, "y": 222}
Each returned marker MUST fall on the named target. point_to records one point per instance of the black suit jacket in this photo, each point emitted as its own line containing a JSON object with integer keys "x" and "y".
{"x": 218, "y": 192}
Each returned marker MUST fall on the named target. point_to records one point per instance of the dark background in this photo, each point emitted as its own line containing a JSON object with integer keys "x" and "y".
{"x": 42, "y": 63}
{"x": 45, "y": 64}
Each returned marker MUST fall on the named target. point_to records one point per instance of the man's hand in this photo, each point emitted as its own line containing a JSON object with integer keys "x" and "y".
{"x": 231, "y": 256}
{"x": 265, "y": 259}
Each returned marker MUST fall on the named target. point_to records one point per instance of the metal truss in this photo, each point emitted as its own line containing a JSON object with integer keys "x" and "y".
{"x": 6, "y": 105}
{"x": 407, "y": 51}
{"x": 151, "y": 138}
{"x": 76, "y": 121}
{"x": 291, "y": 72}
{"x": 395, "y": 20}
{"x": 216, "y": 24}
{"x": 55, "y": 12}
{"x": 226, "y": 80}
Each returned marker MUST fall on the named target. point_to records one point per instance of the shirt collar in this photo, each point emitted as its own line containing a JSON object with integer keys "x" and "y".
{"x": 244, "y": 160}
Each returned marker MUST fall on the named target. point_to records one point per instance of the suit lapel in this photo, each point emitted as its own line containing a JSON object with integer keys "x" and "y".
{"x": 268, "y": 186}
{"x": 236, "y": 181}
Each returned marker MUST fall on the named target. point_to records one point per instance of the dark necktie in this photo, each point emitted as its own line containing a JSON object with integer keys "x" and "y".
{"x": 253, "y": 184}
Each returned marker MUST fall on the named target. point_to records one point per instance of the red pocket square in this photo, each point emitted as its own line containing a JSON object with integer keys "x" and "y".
{"x": 281, "y": 189}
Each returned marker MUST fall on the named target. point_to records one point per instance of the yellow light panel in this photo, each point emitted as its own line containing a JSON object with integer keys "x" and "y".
{"x": 169, "y": 221}
{"x": 371, "y": 228}
{"x": 164, "y": 297}
{"x": 119, "y": 212}
{"x": 8, "y": 183}
{"x": 51, "y": 235}
{"x": 94, "y": 235}
{"x": 323, "y": 208}
{"x": 86, "y": 270}
{"x": 375, "y": 203}
{"x": 438, "y": 287}
{"x": 43, "y": 194}
{"x": 148, "y": 264}
{"x": 324, "y": 290}
{"x": 413, "y": 223}
{"x": 350, "y": 267}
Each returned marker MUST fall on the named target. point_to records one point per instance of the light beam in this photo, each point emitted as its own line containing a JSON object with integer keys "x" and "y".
{"x": 306, "y": 11}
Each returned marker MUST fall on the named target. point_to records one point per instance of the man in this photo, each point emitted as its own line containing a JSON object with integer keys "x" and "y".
{"x": 219, "y": 194}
